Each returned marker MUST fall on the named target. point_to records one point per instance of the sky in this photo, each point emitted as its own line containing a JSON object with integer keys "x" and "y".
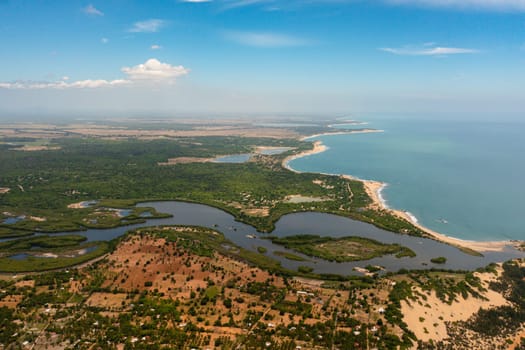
{"x": 319, "y": 57}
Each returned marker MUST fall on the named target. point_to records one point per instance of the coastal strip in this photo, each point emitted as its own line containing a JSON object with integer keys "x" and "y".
{"x": 361, "y": 131}
{"x": 319, "y": 147}
{"x": 374, "y": 189}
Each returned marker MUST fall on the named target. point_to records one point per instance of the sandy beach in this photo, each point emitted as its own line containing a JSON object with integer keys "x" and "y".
{"x": 374, "y": 188}
{"x": 427, "y": 318}
{"x": 363, "y": 131}
{"x": 318, "y": 148}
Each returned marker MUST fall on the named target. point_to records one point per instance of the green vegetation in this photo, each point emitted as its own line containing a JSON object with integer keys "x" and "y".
{"x": 262, "y": 250}
{"x": 7, "y": 325}
{"x": 340, "y": 249}
{"x": 503, "y": 322}
{"x": 33, "y": 263}
{"x": 48, "y": 252}
{"x": 504, "y": 319}
{"x": 439, "y": 260}
{"x": 124, "y": 172}
{"x": 185, "y": 295}
{"x": 40, "y": 242}
{"x": 289, "y": 256}
{"x": 305, "y": 269}
{"x": 293, "y": 307}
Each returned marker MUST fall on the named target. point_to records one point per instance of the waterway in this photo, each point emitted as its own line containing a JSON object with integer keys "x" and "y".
{"x": 309, "y": 223}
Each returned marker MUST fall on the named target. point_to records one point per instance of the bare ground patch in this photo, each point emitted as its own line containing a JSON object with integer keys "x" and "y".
{"x": 185, "y": 160}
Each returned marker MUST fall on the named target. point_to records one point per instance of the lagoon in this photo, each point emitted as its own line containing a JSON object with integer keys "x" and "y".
{"x": 308, "y": 223}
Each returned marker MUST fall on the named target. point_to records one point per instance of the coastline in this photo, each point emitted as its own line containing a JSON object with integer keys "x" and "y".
{"x": 363, "y": 131}
{"x": 374, "y": 189}
{"x": 319, "y": 147}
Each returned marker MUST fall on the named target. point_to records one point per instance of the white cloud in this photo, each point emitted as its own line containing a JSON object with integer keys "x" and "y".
{"x": 265, "y": 39}
{"x": 63, "y": 84}
{"x": 155, "y": 47}
{"x": 147, "y": 26}
{"x": 152, "y": 70}
{"x": 428, "y": 50}
{"x": 104, "y": 40}
{"x": 499, "y": 5}
{"x": 229, "y": 4}
{"x": 92, "y": 10}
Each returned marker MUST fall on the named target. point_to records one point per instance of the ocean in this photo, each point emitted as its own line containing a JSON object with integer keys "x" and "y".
{"x": 461, "y": 178}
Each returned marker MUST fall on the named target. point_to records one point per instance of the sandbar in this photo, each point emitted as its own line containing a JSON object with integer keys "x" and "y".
{"x": 362, "y": 131}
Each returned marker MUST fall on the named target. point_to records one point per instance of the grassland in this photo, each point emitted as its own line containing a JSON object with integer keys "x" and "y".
{"x": 341, "y": 249}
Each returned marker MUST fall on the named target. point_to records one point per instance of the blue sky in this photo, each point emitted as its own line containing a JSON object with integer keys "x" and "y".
{"x": 261, "y": 56}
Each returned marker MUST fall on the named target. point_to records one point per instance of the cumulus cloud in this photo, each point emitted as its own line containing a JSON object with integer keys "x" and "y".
{"x": 500, "y": 5}
{"x": 429, "y": 50}
{"x": 92, "y": 11}
{"x": 155, "y": 47}
{"x": 265, "y": 39}
{"x": 147, "y": 26}
{"x": 152, "y": 70}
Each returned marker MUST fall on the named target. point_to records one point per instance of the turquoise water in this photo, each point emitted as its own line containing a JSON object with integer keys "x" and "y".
{"x": 461, "y": 178}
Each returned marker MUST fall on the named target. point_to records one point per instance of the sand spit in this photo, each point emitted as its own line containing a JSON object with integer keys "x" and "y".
{"x": 362, "y": 131}
{"x": 318, "y": 148}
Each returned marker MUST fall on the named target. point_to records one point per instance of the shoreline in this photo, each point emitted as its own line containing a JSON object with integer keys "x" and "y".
{"x": 319, "y": 147}
{"x": 374, "y": 188}
{"x": 363, "y": 131}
